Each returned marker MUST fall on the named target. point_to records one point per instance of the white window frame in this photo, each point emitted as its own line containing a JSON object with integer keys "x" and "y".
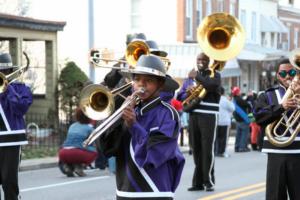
{"x": 136, "y": 15}
{"x": 253, "y": 26}
{"x": 243, "y": 19}
{"x": 296, "y": 30}
{"x": 232, "y": 6}
{"x": 199, "y": 11}
{"x": 220, "y": 4}
{"x": 189, "y": 15}
{"x": 208, "y": 7}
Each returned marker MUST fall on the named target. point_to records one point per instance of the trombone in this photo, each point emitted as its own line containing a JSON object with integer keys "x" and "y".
{"x": 113, "y": 118}
{"x": 7, "y": 79}
{"x": 97, "y": 102}
{"x": 134, "y": 50}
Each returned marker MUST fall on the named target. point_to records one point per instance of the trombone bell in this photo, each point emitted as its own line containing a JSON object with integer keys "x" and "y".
{"x": 96, "y": 102}
{"x": 134, "y": 50}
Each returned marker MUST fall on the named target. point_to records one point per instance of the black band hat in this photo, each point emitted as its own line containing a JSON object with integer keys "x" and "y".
{"x": 154, "y": 48}
{"x": 6, "y": 61}
{"x": 152, "y": 65}
{"x": 135, "y": 36}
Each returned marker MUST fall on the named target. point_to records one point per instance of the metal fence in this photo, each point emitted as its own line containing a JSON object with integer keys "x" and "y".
{"x": 44, "y": 132}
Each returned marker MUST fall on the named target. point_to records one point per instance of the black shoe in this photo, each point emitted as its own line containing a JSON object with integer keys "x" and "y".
{"x": 196, "y": 188}
{"x": 209, "y": 188}
{"x": 78, "y": 169}
{"x": 68, "y": 170}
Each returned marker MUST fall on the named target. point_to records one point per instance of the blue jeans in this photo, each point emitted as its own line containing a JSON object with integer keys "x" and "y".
{"x": 241, "y": 137}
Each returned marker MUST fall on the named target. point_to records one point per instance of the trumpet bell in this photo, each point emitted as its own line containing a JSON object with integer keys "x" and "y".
{"x": 134, "y": 50}
{"x": 96, "y": 102}
{"x": 294, "y": 58}
{"x": 221, "y": 36}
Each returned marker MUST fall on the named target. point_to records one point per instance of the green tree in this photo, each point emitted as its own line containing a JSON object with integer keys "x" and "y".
{"x": 70, "y": 83}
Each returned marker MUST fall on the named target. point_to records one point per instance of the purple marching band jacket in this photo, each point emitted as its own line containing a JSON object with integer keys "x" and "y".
{"x": 14, "y": 103}
{"x": 149, "y": 162}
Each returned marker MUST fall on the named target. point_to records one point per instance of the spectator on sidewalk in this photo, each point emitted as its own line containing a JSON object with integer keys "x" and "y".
{"x": 224, "y": 123}
{"x": 73, "y": 156}
{"x": 242, "y": 109}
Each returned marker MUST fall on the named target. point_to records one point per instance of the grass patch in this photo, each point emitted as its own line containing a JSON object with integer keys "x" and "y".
{"x": 38, "y": 152}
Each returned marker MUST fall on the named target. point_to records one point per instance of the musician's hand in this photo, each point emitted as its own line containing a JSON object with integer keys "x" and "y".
{"x": 290, "y": 103}
{"x": 5, "y": 84}
{"x": 295, "y": 87}
{"x": 129, "y": 115}
{"x": 192, "y": 74}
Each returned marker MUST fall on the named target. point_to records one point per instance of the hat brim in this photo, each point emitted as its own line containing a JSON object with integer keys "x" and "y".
{"x": 169, "y": 85}
{"x": 7, "y": 67}
{"x": 158, "y": 52}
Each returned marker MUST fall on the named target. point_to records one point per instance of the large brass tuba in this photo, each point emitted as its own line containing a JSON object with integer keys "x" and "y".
{"x": 221, "y": 37}
{"x": 287, "y": 123}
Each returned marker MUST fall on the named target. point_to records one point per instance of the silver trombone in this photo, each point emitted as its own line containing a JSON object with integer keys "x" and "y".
{"x": 113, "y": 118}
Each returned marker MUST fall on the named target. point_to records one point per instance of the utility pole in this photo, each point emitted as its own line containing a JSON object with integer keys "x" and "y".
{"x": 91, "y": 36}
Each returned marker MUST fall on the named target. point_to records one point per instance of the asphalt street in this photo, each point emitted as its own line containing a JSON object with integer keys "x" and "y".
{"x": 240, "y": 176}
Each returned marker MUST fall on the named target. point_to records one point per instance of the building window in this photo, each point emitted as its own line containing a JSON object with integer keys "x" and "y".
{"x": 35, "y": 76}
{"x": 136, "y": 16}
{"x": 263, "y": 39}
{"x": 243, "y": 19}
{"x": 199, "y": 11}
{"x": 188, "y": 19}
{"x": 232, "y": 8}
{"x": 253, "y": 27}
{"x": 295, "y": 38}
{"x": 220, "y": 5}
{"x": 208, "y": 7}
{"x": 272, "y": 40}
{"x": 289, "y": 37}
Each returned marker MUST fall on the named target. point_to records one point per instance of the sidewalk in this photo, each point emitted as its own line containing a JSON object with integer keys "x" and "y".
{"x": 41, "y": 163}
{"x": 38, "y": 163}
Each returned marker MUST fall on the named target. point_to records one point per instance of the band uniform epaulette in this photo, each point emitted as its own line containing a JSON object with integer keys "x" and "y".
{"x": 272, "y": 88}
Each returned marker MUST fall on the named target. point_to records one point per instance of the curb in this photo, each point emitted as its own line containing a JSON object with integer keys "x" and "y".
{"x": 43, "y": 163}
{"x": 38, "y": 163}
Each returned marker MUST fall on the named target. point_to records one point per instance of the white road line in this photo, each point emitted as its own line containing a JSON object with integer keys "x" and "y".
{"x": 60, "y": 184}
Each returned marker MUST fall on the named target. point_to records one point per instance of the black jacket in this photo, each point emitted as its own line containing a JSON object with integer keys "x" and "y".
{"x": 210, "y": 102}
{"x": 269, "y": 109}
{"x": 243, "y": 104}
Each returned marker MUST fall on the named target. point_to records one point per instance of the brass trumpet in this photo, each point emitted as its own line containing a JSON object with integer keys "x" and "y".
{"x": 221, "y": 37}
{"x": 97, "y": 102}
{"x": 287, "y": 123}
{"x": 7, "y": 79}
{"x": 134, "y": 50}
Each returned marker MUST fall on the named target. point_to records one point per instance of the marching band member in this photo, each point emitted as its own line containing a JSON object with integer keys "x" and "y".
{"x": 14, "y": 103}
{"x": 149, "y": 163}
{"x": 283, "y": 166}
{"x": 203, "y": 125}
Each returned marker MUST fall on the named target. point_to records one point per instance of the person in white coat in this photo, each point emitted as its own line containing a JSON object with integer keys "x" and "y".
{"x": 225, "y": 113}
